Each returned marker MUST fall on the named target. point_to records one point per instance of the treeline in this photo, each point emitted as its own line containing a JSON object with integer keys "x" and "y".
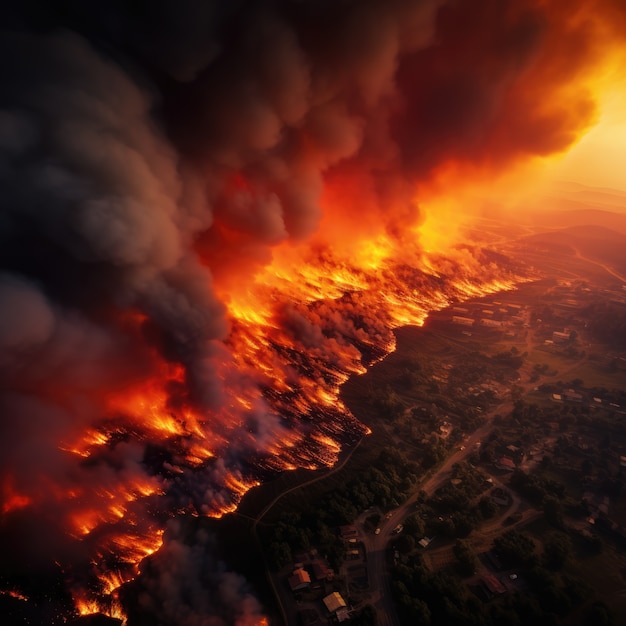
{"x": 606, "y": 322}
{"x": 385, "y": 484}
{"x": 430, "y": 598}
{"x": 589, "y": 442}
{"x": 453, "y": 509}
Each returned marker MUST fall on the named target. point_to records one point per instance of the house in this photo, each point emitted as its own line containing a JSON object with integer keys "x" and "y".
{"x": 491, "y": 586}
{"x": 300, "y": 579}
{"x": 463, "y": 321}
{"x": 506, "y": 464}
{"x": 348, "y": 532}
{"x": 334, "y": 602}
{"x": 489, "y": 323}
{"x": 572, "y": 396}
{"x": 559, "y": 337}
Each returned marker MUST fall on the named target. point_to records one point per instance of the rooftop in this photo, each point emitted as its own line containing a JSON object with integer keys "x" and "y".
{"x": 334, "y": 602}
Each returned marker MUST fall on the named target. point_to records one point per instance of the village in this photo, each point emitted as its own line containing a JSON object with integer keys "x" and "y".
{"x": 523, "y": 458}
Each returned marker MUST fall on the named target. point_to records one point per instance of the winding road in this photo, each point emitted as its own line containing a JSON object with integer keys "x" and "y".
{"x": 376, "y": 545}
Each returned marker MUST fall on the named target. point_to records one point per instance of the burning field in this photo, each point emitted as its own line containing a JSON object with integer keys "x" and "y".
{"x": 213, "y": 214}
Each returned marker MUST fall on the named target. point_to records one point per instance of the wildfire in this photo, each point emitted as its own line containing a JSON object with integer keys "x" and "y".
{"x": 13, "y": 593}
{"x": 195, "y": 269}
{"x": 12, "y": 499}
{"x": 108, "y": 606}
{"x": 310, "y": 319}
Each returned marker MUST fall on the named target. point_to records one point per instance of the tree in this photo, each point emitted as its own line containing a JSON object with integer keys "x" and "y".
{"x": 367, "y": 616}
{"x": 373, "y": 520}
{"x": 419, "y": 611}
{"x": 557, "y": 549}
{"x": 279, "y": 554}
{"x": 414, "y": 525}
{"x": 466, "y": 557}
{"x": 553, "y": 510}
{"x": 405, "y": 543}
{"x": 515, "y": 547}
{"x": 488, "y": 508}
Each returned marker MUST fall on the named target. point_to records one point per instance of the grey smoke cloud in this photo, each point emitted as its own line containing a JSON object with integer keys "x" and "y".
{"x": 186, "y": 584}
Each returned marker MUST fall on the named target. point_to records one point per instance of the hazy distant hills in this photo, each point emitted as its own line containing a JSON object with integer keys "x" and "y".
{"x": 577, "y": 220}
{"x": 581, "y": 217}
{"x": 589, "y": 197}
{"x": 572, "y": 204}
{"x": 597, "y": 243}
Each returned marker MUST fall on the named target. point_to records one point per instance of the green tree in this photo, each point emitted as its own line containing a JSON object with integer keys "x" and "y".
{"x": 414, "y": 525}
{"x": 367, "y": 616}
{"x": 279, "y": 554}
{"x": 515, "y": 547}
{"x": 553, "y": 510}
{"x": 557, "y": 550}
{"x": 405, "y": 543}
{"x": 373, "y": 520}
{"x": 466, "y": 557}
{"x": 488, "y": 508}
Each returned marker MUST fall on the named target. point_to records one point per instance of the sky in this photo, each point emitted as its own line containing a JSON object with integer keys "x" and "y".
{"x": 215, "y": 212}
{"x": 597, "y": 158}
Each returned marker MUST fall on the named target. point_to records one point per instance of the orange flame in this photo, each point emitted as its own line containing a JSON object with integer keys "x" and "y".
{"x": 12, "y": 499}
{"x": 297, "y": 333}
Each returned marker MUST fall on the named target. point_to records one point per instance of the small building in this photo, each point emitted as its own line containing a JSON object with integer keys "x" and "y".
{"x": 348, "y": 532}
{"x": 463, "y": 321}
{"x": 300, "y": 579}
{"x": 491, "y": 586}
{"x": 572, "y": 396}
{"x": 559, "y": 337}
{"x": 489, "y": 323}
{"x": 505, "y": 463}
{"x": 424, "y": 542}
{"x": 334, "y": 602}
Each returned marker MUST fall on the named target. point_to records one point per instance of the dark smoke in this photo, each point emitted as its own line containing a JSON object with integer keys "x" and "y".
{"x": 188, "y": 583}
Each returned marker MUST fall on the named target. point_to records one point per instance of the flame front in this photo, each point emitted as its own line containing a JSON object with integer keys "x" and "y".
{"x": 309, "y": 321}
